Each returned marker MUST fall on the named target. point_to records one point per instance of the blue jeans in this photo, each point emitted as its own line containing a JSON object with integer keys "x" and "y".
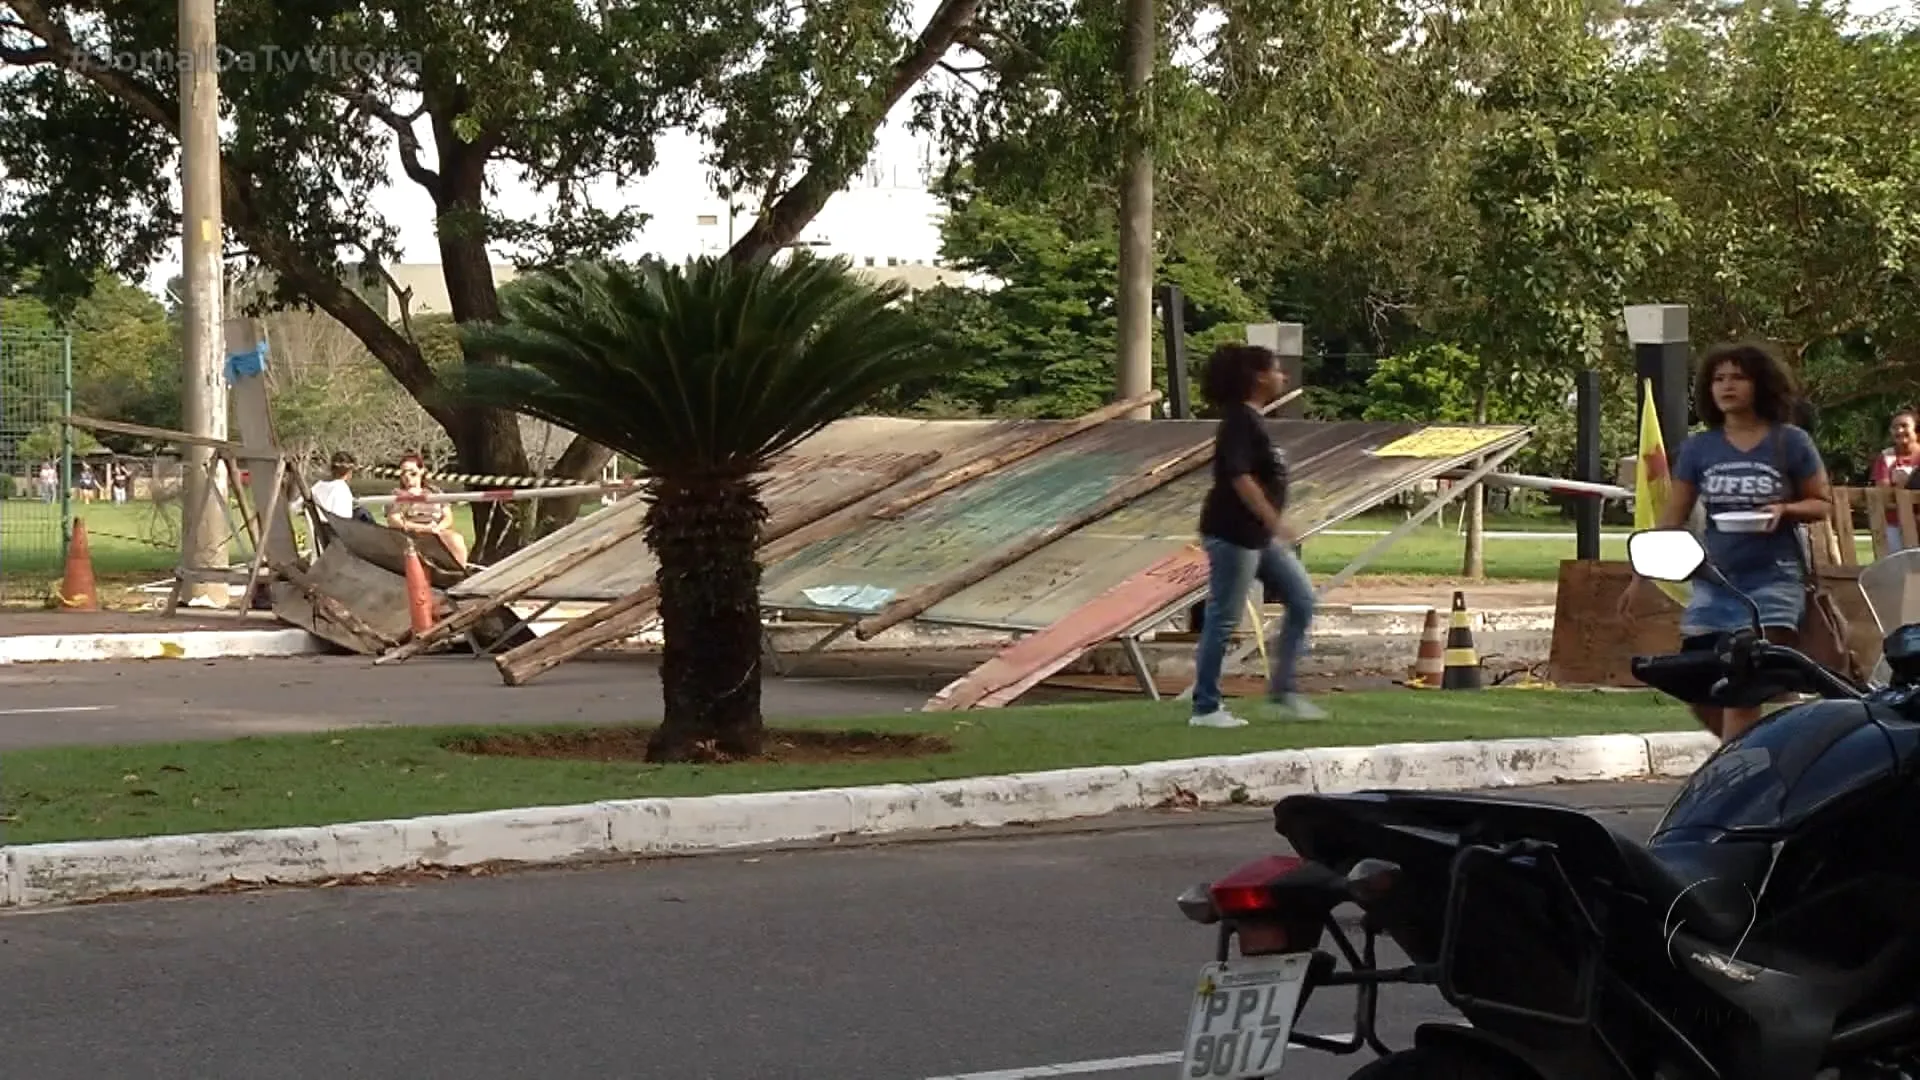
{"x": 1777, "y": 591}
{"x": 1231, "y": 572}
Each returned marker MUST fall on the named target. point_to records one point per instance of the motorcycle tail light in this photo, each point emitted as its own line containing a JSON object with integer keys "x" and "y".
{"x": 1249, "y": 890}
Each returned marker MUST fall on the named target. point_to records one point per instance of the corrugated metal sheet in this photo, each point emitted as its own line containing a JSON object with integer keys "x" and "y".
{"x": 972, "y": 522}
{"x": 844, "y": 455}
{"x": 1335, "y": 476}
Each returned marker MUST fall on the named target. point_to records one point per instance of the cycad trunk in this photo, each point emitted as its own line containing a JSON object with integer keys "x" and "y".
{"x": 704, "y": 534}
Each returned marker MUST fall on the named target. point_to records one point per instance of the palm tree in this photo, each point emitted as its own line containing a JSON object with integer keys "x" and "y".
{"x": 702, "y": 373}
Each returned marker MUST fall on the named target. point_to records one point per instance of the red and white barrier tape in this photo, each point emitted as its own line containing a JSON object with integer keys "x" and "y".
{"x": 498, "y": 496}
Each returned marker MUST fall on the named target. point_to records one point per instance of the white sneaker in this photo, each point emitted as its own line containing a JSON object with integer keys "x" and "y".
{"x": 1300, "y": 707}
{"x": 1219, "y": 718}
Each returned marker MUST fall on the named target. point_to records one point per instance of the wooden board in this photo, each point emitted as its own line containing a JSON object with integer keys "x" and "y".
{"x": 1336, "y": 474}
{"x": 1030, "y": 660}
{"x": 959, "y": 528}
{"x": 387, "y": 548}
{"x": 1594, "y": 646}
{"x": 374, "y": 596}
{"x": 843, "y": 457}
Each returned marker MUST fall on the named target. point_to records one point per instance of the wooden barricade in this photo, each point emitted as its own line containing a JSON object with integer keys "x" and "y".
{"x": 1594, "y": 644}
{"x": 1841, "y": 544}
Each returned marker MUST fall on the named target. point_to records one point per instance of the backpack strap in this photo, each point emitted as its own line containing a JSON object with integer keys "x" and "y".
{"x": 1802, "y": 539}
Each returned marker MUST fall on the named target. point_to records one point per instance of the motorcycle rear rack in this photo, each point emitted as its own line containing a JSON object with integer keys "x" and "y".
{"x": 1479, "y": 859}
{"x": 1363, "y": 973}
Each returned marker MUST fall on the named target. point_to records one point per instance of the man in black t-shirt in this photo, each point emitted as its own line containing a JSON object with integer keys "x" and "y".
{"x": 1245, "y": 538}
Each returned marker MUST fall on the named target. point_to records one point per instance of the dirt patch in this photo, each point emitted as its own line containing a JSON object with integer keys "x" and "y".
{"x": 1438, "y": 591}
{"x": 780, "y": 746}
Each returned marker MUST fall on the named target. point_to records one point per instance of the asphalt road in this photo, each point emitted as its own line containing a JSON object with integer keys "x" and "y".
{"x": 996, "y": 956}
{"x": 163, "y": 700}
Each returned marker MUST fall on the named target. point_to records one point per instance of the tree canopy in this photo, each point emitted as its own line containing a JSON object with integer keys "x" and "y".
{"x": 320, "y": 94}
{"x": 1488, "y": 181}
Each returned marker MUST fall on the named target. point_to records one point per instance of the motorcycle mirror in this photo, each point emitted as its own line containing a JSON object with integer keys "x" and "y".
{"x": 1666, "y": 554}
{"x": 1678, "y": 555}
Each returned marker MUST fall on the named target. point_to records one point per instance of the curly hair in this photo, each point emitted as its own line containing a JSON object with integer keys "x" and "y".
{"x": 1775, "y": 390}
{"x": 1231, "y": 372}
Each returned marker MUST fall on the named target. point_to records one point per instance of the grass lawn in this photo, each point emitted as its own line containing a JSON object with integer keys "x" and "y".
{"x": 137, "y": 543}
{"x": 1433, "y": 551}
{"x": 139, "y": 790}
{"x": 131, "y": 544}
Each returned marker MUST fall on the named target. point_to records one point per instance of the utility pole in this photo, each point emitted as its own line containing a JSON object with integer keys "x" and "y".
{"x": 203, "y": 387}
{"x": 1136, "y": 209}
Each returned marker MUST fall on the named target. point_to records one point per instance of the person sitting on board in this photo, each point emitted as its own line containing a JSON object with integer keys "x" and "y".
{"x": 414, "y": 516}
{"x": 1895, "y": 466}
{"x": 1245, "y": 537}
{"x": 335, "y": 494}
{"x": 1760, "y": 478}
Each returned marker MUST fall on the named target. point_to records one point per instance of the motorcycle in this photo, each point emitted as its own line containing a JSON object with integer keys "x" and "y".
{"x": 1768, "y": 930}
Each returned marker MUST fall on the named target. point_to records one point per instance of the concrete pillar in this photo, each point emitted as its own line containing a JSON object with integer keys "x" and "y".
{"x": 1658, "y": 334}
{"x": 1288, "y": 341}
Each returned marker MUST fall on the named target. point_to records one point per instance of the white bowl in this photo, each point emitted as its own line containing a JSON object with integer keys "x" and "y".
{"x": 1742, "y": 521}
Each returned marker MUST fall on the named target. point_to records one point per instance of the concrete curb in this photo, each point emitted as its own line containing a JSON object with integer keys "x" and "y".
{"x": 39, "y": 874}
{"x": 177, "y": 645}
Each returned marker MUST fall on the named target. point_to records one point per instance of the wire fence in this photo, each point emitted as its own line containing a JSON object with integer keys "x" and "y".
{"x": 37, "y": 461}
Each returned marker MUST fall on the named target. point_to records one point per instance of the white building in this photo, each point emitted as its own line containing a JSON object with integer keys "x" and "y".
{"x": 887, "y": 224}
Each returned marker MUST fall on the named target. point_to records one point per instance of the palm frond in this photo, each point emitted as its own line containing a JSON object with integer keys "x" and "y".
{"x": 711, "y": 367}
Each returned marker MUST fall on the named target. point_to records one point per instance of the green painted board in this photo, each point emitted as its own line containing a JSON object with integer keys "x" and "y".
{"x": 1335, "y": 476}
{"x": 861, "y": 570}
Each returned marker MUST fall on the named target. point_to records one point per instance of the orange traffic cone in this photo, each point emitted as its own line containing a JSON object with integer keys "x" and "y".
{"x": 1429, "y": 664}
{"x": 419, "y": 591}
{"x": 77, "y": 591}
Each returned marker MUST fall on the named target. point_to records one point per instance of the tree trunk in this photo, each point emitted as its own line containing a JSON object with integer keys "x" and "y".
{"x": 1135, "y": 374}
{"x": 484, "y": 440}
{"x": 582, "y": 460}
{"x": 705, "y": 531}
{"x": 1475, "y": 563}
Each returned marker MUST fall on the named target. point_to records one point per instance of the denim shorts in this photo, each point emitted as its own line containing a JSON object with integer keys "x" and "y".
{"x": 1780, "y": 596}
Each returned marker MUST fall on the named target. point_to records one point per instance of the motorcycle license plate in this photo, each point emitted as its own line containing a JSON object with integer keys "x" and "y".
{"x": 1243, "y": 1016}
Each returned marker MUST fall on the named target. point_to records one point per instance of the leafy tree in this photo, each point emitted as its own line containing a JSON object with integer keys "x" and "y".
{"x": 703, "y": 374}
{"x": 1789, "y": 152}
{"x": 1041, "y": 341}
{"x": 319, "y": 94}
{"x": 125, "y": 352}
{"x": 1561, "y": 232}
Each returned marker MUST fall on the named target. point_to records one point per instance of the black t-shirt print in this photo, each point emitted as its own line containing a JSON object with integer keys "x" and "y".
{"x": 1241, "y": 447}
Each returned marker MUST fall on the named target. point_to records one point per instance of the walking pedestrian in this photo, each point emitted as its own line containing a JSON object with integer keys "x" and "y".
{"x": 1760, "y": 478}
{"x": 1245, "y": 536}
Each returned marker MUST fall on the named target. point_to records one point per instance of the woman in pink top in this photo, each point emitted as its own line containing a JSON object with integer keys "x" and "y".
{"x": 1895, "y": 464}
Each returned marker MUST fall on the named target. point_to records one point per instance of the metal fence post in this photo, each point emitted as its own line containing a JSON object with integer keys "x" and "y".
{"x": 1587, "y": 464}
{"x": 66, "y": 446}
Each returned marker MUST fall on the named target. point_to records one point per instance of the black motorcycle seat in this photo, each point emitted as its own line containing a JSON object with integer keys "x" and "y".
{"x": 1706, "y": 889}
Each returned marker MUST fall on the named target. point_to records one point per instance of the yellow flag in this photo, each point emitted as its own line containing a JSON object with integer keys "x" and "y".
{"x": 1652, "y": 485}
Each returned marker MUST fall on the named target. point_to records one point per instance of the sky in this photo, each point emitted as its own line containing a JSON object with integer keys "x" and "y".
{"x": 678, "y": 191}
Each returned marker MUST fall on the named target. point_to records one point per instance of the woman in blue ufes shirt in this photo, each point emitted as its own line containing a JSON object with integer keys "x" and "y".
{"x": 1749, "y": 459}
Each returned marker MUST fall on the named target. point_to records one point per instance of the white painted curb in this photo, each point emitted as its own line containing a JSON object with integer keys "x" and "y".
{"x": 179, "y": 645}
{"x": 68, "y": 872}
